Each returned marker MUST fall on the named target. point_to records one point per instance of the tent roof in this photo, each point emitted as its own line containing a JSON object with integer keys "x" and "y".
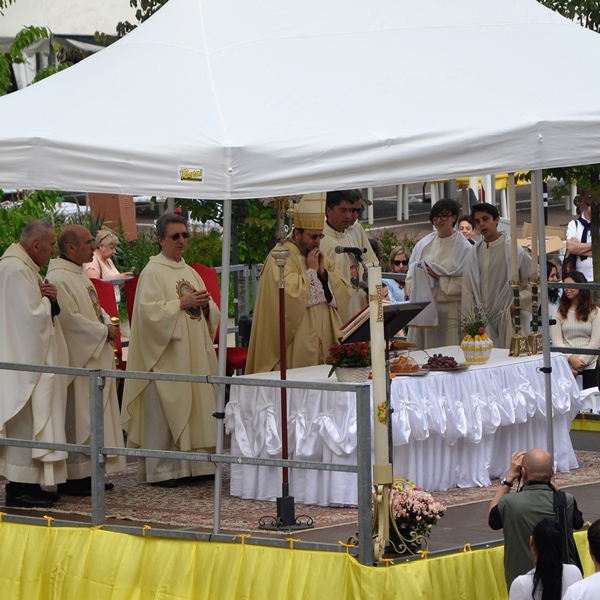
{"x": 270, "y": 98}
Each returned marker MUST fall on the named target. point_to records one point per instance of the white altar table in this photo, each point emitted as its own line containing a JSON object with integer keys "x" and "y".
{"x": 450, "y": 429}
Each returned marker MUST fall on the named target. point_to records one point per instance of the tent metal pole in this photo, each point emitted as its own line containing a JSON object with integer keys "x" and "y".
{"x": 223, "y": 325}
{"x": 538, "y": 190}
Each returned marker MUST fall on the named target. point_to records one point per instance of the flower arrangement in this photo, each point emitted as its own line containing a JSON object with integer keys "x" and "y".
{"x": 413, "y": 509}
{"x": 473, "y": 323}
{"x": 476, "y": 345}
{"x": 349, "y": 355}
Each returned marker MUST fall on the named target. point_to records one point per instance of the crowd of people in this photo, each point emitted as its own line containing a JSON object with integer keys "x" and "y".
{"x": 57, "y": 321}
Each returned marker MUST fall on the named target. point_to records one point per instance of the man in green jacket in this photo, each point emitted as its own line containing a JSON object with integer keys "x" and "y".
{"x": 519, "y": 513}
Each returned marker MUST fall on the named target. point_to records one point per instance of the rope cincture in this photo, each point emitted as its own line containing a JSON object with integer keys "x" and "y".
{"x": 242, "y": 537}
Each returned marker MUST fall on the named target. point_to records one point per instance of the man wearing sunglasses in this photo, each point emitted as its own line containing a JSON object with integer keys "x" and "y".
{"x": 89, "y": 335}
{"x": 315, "y": 292}
{"x": 342, "y": 210}
{"x": 172, "y": 331}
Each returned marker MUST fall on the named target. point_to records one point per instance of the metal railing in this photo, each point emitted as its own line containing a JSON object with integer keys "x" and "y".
{"x": 98, "y": 453}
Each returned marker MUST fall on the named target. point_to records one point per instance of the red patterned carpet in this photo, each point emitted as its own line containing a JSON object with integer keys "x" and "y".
{"x": 191, "y": 505}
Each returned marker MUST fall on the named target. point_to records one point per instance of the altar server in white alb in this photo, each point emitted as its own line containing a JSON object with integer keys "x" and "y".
{"x": 172, "y": 331}
{"x": 487, "y": 277}
{"x": 90, "y": 337}
{"x": 32, "y": 405}
{"x": 435, "y": 275}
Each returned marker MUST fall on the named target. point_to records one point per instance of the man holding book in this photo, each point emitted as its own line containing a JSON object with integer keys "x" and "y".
{"x": 315, "y": 294}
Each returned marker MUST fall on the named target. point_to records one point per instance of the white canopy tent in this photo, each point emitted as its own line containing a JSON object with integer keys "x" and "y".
{"x": 278, "y": 98}
{"x": 229, "y": 99}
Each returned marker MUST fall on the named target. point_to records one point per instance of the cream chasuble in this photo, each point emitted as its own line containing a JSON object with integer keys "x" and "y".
{"x": 82, "y": 321}
{"x": 32, "y": 404}
{"x": 345, "y": 263}
{"x": 310, "y": 331}
{"x": 486, "y": 282}
{"x": 166, "y": 339}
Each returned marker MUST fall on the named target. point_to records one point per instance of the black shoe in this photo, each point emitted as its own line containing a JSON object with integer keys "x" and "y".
{"x": 168, "y": 483}
{"x": 28, "y": 501}
{"x": 48, "y": 495}
{"x": 80, "y": 487}
{"x": 15, "y": 489}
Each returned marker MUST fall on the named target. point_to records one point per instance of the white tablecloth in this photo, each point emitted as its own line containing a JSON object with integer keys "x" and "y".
{"x": 449, "y": 428}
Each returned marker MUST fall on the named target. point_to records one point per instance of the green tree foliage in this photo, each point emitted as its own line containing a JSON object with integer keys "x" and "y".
{"x": 37, "y": 205}
{"x": 23, "y": 39}
{"x": 144, "y": 10}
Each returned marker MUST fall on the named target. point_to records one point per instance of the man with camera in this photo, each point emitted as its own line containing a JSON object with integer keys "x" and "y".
{"x": 519, "y": 513}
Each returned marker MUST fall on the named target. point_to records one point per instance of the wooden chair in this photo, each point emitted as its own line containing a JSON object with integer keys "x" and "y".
{"x": 106, "y": 297}
{"x": 236, "y": 356}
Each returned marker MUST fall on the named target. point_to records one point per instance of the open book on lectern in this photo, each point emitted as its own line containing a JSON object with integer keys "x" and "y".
{"x": 395, "y": 317}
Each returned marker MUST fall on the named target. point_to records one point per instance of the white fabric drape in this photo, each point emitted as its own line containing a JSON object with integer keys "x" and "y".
{"x": 449, "y": 429}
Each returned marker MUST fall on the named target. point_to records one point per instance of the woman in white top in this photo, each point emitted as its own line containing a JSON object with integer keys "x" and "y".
{"x": 102, "y": 266}
{"x": 578, "y": 326}
{"x": 550, "y": 578}
{"x": 435, "y": 275}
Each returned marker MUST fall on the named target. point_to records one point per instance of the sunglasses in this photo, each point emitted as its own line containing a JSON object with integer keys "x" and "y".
{"x": 401, "y": 262}
{"x": 185, "y": 235}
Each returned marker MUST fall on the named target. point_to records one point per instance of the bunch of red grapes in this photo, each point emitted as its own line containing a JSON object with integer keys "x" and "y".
{"x": 437, "y": 361}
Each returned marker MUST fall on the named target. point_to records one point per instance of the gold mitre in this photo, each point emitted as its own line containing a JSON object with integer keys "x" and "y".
{"x": 309, "y": 213}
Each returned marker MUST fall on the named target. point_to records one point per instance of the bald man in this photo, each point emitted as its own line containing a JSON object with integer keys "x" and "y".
{"x": 32, "y": 405}
{"x": 519, "y": 513}
{"x": 89, "y": 335}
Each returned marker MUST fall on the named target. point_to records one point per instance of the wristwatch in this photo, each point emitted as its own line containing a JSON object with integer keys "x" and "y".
{"x": 507, "y": 483}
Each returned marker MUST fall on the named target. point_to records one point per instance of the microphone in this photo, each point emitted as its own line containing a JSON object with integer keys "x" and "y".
{"x": 358, "y": 252}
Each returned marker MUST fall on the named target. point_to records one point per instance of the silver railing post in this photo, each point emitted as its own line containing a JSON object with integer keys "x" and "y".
{"x": 98, "y": 459}
{"x": 363, "y": 461}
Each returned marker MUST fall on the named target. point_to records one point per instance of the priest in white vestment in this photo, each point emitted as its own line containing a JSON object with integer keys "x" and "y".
{"x": 90, "y": 337}
{"x": 487, "y": 277}
{"x": 32, "y": 405}
{"x": 172, "y": 331}
{"x": 315, "y": 294}
{"x": 342, "y": 230}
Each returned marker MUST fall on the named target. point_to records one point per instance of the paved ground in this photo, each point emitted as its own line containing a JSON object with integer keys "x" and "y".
{"x": 468, "y": 523}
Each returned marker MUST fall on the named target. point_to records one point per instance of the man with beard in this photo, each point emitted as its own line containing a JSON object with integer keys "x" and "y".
{"x": 315, "y": 295}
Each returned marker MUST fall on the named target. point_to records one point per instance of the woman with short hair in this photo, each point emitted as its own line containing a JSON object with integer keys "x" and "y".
{"x": 102, "y": 266}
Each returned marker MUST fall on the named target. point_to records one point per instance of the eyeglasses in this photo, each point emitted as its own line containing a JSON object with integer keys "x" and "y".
{"x": 444, "y": 217}
{"x": 401, "y": 262}
{"x": 317, "y": 236}
{"x": 185, "y": 235}
{"x": 105, "y": 237}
